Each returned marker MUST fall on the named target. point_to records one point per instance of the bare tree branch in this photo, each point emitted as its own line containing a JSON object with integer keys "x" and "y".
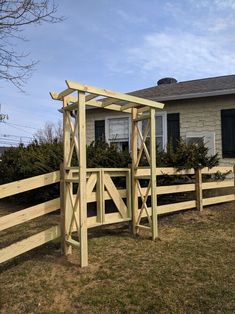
{"x": 15, "y": 15}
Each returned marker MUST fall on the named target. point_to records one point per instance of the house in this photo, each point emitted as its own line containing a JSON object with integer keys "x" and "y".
{"x": 196, "y": 110}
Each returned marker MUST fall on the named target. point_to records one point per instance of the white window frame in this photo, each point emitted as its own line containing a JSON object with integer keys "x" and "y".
{"x": 163, "y": 114}
{"x": 107, "y": 128}
{"x": 203, "y": 135}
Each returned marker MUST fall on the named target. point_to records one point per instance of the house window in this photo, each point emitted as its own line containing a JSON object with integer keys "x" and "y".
{"x": 173, "y": 128}
{"x": 228, "y": 132}
{"x": 100, "y": 130}
{"x": 161, "y": 130}
{"x": 199, "y": 138}
{"x": 118, "y": 132}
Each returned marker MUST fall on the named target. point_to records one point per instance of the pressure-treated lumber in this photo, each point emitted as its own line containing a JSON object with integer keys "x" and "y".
{"x": 73, "y": 243}
{"x": 30, "y": 213}
{"x": 29, "y": 243}
{"x": 134, "y": 148}
{"x": 170, "y": 208}
{"x": 82, "y": 179}
{"x": 114, "y": 194}
{"x": 153, "y": 173}
{"x": 218, "y": 184}
{"x": 93, "y": 103}
{"x": 170, "y": 189}
{"x": 198, "y": 186}
{"x": 218, "y": 199}
{"x": 112, "y": 94}
{"x": 223, "y": 169}
{"x": 143, "y": 172}
{"x": 100, "y": 197}
{"x": 24, "y": 185}
{"x": 67, "y": 215}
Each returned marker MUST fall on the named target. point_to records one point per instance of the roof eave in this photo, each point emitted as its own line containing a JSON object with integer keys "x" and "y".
{"x": 196, "y": 95}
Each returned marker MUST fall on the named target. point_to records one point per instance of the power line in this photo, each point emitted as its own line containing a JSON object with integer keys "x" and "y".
{"x": 23, "y": 126}
{"x": 16, "y": 136}
{"x": 18, "y": 128}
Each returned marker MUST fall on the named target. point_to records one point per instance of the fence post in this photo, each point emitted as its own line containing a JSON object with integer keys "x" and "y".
{"x": 198, "y": 183}
{"x": 234, "y": 178}
{"x": 62, "y": 209}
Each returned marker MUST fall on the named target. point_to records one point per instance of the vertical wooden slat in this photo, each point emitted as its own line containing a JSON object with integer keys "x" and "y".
{"x": 153, "y": 173}
{"x": 134, "y": 145}
{"x": 234, "y": 177}
{"x": 67, "y": 208}
{"x": 128, "y": 193}
{"x": 62, "y": 214}
{"x": 82, "y": 179}
{"x": 198, "y": 183}
{"x": 100, "y": 196}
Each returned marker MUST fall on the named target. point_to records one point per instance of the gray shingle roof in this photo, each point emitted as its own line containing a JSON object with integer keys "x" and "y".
{"x": 190, "y": 89}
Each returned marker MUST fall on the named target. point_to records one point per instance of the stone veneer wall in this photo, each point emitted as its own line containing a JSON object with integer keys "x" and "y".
{"x": 196, "y": 115}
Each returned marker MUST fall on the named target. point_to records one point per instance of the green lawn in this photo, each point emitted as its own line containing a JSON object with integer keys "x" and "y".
{"x": 190, "y": 269}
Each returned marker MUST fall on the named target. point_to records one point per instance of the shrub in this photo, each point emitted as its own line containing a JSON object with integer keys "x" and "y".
{"x": 187, "y": 156}
{"x": 100, "y": 154}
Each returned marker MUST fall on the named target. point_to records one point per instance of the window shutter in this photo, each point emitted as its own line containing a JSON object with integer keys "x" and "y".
{"x": 228, "y": 132}
{"x": 173, "y": 128}
{"x": 100, "y": 130}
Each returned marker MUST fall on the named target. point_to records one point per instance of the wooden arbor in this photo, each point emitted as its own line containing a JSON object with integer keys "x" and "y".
{"x": 75, "y": 98}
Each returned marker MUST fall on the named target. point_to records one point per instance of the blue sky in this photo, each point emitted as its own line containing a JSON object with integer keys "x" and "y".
{"x": 121, "y": 45}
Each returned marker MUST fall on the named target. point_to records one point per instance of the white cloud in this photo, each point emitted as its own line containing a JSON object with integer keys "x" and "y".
{"x": 183, "y": 55}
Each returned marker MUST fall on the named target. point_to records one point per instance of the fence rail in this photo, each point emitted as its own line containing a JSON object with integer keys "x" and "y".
{"x": 27, "y": 214}
{"x": 101, "y": 188}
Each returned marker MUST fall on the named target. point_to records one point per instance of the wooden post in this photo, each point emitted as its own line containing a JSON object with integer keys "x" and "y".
{"x": 134, "y": 192}
{"x": 198, "y": 178}
{"x": 62, "y": 209}
{"x": 67, "y": 249}
{"x": 128, "y": 193}
{"x": 234, "y": 177}
{"x": 82, "y": 179}
{"x": 153, "y": 172}
{"x": 100, "y": 196}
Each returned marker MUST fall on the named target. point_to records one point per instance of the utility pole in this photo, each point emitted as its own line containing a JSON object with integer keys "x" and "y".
{"x": 3, "y": 116}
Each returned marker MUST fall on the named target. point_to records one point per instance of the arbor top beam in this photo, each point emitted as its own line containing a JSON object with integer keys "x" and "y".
{"x": 113, "y": 100}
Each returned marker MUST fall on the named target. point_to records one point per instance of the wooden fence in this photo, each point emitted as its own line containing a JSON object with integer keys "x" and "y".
{"x": 28, "y": 214}
{"x": 100, "y": 189}
{"x": 198, "y": 186}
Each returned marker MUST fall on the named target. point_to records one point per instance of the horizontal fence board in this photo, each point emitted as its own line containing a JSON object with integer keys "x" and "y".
{"x": 172, "y": 189}
{"x": 218, "y": 199}
{"x": 91, "y": 222}
{"x": 169, "y": 208}
{"x": 24, "y": 185}
{"x": 30, "y": 243}
{"x": 173, "y": 171}
{"x": 175, "y": 188}
{"x": 92, "y": 197}
{"x": 145, "y": 172}
{"x": 114, "y": 218}
{"x": 217, "y": 169}
{"x": 27, "y": 214}
{"x": 218, "y": 184}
